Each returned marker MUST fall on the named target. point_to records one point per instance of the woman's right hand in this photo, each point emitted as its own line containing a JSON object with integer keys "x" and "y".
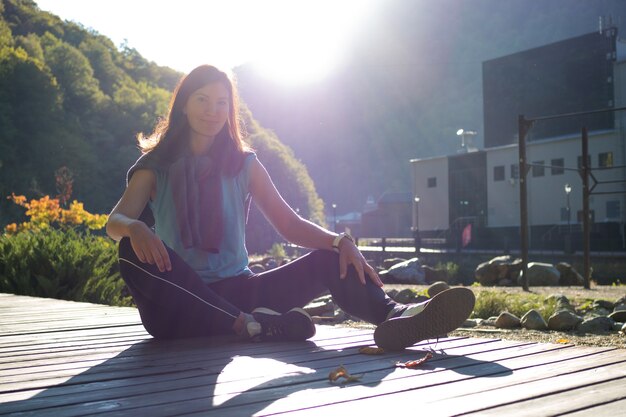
{"x": 148, "y": 247}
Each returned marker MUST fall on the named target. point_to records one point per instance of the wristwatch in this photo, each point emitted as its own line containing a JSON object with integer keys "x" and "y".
{"x": 338, "y": 239}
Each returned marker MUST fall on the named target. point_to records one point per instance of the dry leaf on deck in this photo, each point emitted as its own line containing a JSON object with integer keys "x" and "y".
{"x": 342, "y": 372}
{"x": 414, "y": 364}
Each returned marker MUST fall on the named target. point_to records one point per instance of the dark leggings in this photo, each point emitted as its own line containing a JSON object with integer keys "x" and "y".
{"x": 178, "y": 303}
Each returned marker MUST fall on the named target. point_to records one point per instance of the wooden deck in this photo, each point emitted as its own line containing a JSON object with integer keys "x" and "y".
{"x": 60, "y": 358}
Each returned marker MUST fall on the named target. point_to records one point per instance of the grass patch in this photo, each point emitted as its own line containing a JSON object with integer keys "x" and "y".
{"x": 492, "y": 303}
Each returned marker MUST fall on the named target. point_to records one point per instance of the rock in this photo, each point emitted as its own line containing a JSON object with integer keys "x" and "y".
{"x": 491, "y": 321}
{"x": 322, "y": 306}
{"x": 497, "y": 270}
{"x": 607, "y": 305}
{"x": 256, "y": 268}
{"x": 392, "y": 293}
{"x": 436, "y": 288}
{"x": 408, "y": 272}
{"x": 389, "y": 262}
{"x": 559, "y": 298}
{"x": 617, "y": 326}
{"x": 472, "y": 323}
{"x": 564, "y": 320}
{"x": 619, "y": 313}
{"x": 621, "y": 301}
{"x": 596, "y": 325}
{"x": 541, "y": 275}
{"x": 408, "y": 296}
{"x": 562, "y": 302}
{"x": 507, "y": 320}
{"x": 435, "y": 275}
{"x": 569, "y": 276}
{"x": 532, "y": 320}
{"x": 271, "y": 263}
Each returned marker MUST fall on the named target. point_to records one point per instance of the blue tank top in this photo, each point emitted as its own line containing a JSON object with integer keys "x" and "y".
{"x": 232, "y": 259}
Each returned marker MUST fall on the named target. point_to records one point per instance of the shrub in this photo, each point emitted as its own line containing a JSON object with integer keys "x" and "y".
{"x": 65, "y": 264}
{"x": 54, "y": 254}
{"x": 492, "y": 303}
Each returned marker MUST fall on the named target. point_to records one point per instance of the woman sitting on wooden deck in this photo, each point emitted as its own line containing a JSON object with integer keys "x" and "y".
{"x": 189, "y": 274}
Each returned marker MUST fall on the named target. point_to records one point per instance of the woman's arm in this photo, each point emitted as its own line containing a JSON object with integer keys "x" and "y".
{"x": 300, "y": 231}
{"x": 123, "y": 221}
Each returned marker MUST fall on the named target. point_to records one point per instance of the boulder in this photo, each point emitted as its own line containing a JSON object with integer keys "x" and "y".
{"x": 408, "y": 296}
{"x": 596, "y": 325}
{"x": 532, "y": 320}
{"x": 619, "y": 313}
{"x": 564, "y": 320}
{"x": 322, "y": 306}
{"x": 408, "y": 272}
{"x": 541, "y": 275}
{"x": 507, "y": 320}
{"x": 498, "y": 271}
{"x": 607, "y": 305}
{"x": 389, "y": 262}
{"x": 257, "y": 268}
{"x": 434, "y": 275}
{"x": 569, "y": 276}
{"x": 469, "y": 323}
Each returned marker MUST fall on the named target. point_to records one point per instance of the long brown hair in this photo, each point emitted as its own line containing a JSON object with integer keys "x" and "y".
{"x": 171, "y": 135}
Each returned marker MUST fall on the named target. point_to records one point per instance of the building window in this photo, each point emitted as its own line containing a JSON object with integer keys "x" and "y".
{"x": 432, "y": 182}
{"x": 514, "y": 171}
{"x": 613, "y": 210}
{"x": 605, "y": 159}
{"x": 557, "y": 166}
{"x": 498, "y": 173}
{"x": 538, "y": 169}
{"x": 580, "y": 161}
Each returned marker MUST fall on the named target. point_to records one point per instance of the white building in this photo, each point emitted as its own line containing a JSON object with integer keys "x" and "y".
{"x": 482, "y": 187}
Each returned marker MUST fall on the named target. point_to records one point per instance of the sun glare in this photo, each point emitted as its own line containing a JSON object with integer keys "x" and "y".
{"x": 309, "y": 40}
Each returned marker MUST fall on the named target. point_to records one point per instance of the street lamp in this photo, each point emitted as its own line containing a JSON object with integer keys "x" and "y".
{"x": 463, "y": 133}
{"x": 568, "y": 240}
{"x": 415, "y": 226}
{"x": 335, "y": 217}
{"x": 568, "y": 190}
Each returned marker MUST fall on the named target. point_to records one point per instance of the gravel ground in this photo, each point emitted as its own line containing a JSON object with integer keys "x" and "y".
{"x": 610, "y": 293}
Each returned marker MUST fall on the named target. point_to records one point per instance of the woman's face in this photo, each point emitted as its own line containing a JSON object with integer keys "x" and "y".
{"x": 207, "y": 110}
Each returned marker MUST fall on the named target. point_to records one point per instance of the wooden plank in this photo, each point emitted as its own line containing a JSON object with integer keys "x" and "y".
{"x": 614, "y": 408}
{"x": 255, "y": 374}
{"x": 188, "y": 397}
{"x": 66, "y": 358}
{"x": 386, "y": 383}
{"x": 566, "y": 393}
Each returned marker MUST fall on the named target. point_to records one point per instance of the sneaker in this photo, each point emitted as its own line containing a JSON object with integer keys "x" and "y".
{"x": 293, "y": 326}
{"x": 445, "y": 312}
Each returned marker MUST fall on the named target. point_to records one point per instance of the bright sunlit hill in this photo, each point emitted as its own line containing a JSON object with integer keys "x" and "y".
{"x": 288, "y": 41}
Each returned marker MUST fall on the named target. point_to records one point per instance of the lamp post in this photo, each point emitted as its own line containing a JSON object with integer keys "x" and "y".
{"x": 415, "y": 228}
{"x": 568, "y": 190}
{"x": 568, "y": 239}
{"x": 334, "y": 217}
{"x": 463, "y": 133}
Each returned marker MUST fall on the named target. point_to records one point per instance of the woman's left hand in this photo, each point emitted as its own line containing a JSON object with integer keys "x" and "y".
{"x": 350, "y": 254}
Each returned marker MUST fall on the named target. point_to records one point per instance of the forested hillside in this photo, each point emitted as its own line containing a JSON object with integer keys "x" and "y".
{"x": 71, "y": 98}
{"x": 410, "y": 81}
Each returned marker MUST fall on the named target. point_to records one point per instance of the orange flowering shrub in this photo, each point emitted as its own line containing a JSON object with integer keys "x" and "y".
{"x": 46, "y": 212}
